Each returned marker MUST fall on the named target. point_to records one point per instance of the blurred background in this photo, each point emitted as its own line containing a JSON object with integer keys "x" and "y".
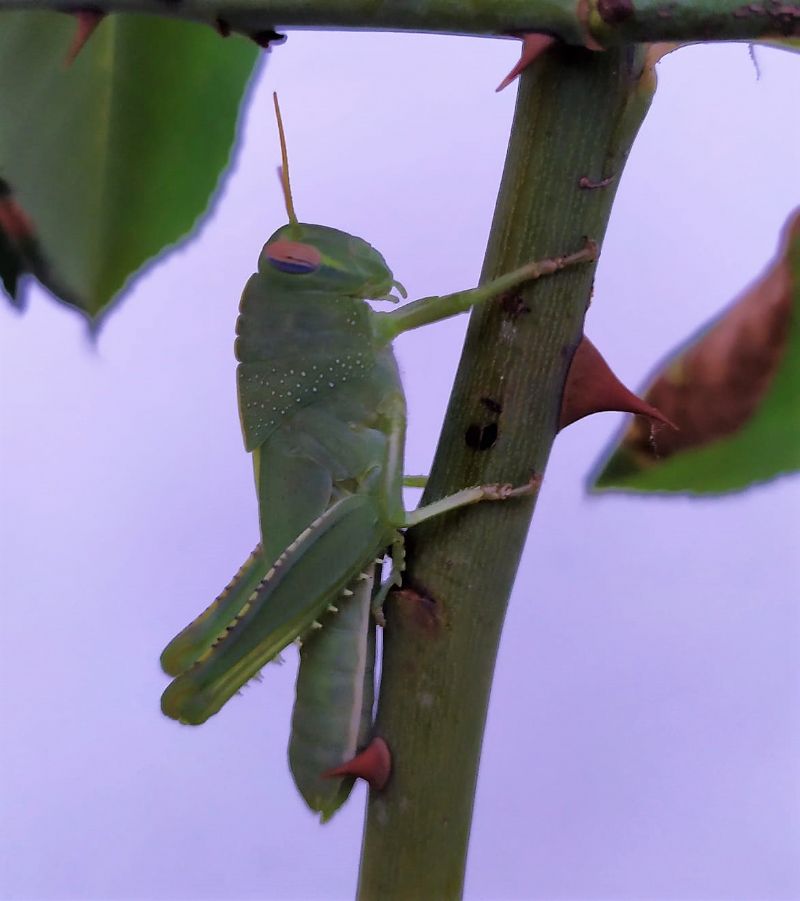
{"x": 644, "y": 734}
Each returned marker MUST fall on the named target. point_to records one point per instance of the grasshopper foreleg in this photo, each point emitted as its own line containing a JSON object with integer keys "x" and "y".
{"x": 427, "y": 310}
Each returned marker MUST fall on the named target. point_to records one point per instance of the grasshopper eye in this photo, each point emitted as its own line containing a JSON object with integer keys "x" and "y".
{"x": 293, "y": 257}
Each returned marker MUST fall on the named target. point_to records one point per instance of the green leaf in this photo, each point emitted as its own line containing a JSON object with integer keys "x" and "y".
{"x": 733, "y": 392}
{"x": 116, "y": 157}
{"x": 21, "y": 253}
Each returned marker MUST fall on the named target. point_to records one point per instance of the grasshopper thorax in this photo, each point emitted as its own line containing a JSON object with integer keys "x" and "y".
{"x": 315, "y": 257}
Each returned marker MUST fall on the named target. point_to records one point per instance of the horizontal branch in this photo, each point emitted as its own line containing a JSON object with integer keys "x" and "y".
{"x": 593, "y": 23}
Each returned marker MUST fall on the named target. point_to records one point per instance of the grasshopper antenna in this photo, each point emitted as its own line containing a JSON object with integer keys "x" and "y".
{"x": 283, "y": 171}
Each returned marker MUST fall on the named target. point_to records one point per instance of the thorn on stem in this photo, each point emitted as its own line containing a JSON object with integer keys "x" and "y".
{"x": 593, "y": 388}
{"x": 534, "y": 45}
{"x": 373, "y": 764}
{"x": 87, "y": 22}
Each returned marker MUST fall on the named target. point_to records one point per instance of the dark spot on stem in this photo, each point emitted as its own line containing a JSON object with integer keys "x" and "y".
{"x": 492, "y": 405}
{"x": 481, "y": 438}
{"x": 513, "y": 305}
{"x": 418, "y": 609}
{"x": 222, "y": 27}
{"x": 613, "y": 12}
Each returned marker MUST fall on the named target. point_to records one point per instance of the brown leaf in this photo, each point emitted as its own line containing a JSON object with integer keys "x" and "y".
{"x": 715, "y": 386}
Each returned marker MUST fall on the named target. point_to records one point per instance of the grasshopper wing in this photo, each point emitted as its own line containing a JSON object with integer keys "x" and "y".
{"x": 300, "y": 488}
{"x": 296, "y": 590}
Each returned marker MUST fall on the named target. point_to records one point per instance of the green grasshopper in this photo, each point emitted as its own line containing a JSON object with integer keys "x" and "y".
{"x": 323, "y": 413}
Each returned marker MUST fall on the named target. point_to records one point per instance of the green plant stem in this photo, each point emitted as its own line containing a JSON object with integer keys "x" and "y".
{"x": 582, "y": 22}
{"x": 576, "y": 116}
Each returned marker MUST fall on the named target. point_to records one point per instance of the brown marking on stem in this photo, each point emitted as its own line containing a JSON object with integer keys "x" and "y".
{"x": 583, "y": 12}
{"x": 513, "y": 305}
{"x": 587, "y": 184}
{"x": 592, "y": 387}
{"x": 492, "y": 405}
{"x": 419, "y": 610}
{"x": 612, "y": 12}
{"x": 87, "y": 21}
{"x": 534, "y": 45}
{"x": 373, "y": 764}
{"x": 223, "y": 27}
{"x": 481, "y": 437}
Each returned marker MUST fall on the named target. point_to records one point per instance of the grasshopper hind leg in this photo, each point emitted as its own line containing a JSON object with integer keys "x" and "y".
{"x": 463, "y": 498}
{"x": 395, "y": 580}
{"x": 467, "y": 496}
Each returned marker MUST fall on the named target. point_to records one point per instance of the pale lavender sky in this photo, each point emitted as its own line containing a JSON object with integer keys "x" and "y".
{"x": 644, "y": 734}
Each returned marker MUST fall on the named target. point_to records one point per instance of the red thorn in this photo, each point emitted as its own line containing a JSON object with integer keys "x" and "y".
{"x": 373, "y": 764}
{"x": 533, "y": 46}
{"x": 593, "y": 388}
{"x": 88, "y": 20}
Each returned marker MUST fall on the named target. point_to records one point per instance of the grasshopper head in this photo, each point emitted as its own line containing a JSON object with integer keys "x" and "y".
{"x": 322, "y": 258}
{"x": 326, "y": 259}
